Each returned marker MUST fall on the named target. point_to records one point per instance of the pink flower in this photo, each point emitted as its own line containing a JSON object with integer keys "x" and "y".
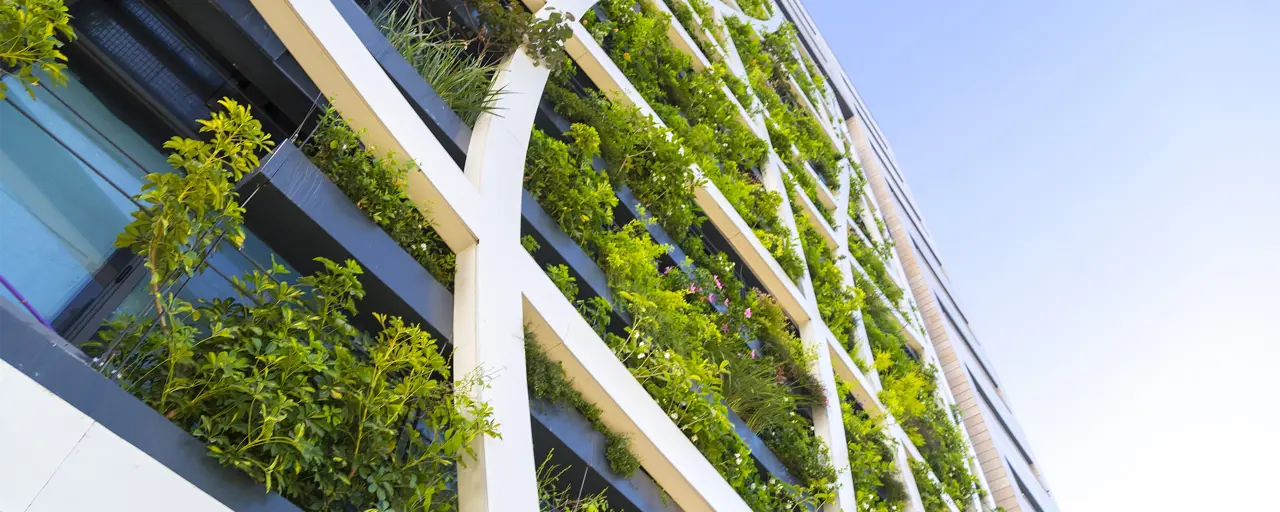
{"x": 692, "y": 288}
{"x": 747, "y": 313}
{"x": 753, "y": 353}
{"x": 726, "y": 302}
{"x": 724, "y": 327}
{"x": 717, "y": 278}
{"x": 711, "y": 298}
{"x": 666, "y": 270}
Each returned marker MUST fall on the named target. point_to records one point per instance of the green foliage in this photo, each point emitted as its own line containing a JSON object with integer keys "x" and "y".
{"x": 595, "y": 310}
{"x": 930, "y": 492}
{"x": 873, "y": 262}
{"x": 547, "y": 380}
{"x": 770, "y": 61}
{"x": 684, "y": 13}
{"x": 530, "y": 243}
{"x": 276, "y": 381}
{"x": 871, "y": 460}
{"x": 463, "y": 80}
{"x": 29, "y": 41}
{"x": 701, "y": 116}
{"x": 759, "y": 9}
{"x": 910, "y": 394}
{"x": 191, "y": 211}
{"x": 836, "y": 302}
{"x": 796, "y": 174}
{"x": 281, "y": 386}
{"x": 376, "y": 183}
{"x": 683, "y": 350}
{"x": 709, "y": 21}
{"x": 553, "y": 497}
{"x": 509, "y": 26}
{"x": 581, "y": 198}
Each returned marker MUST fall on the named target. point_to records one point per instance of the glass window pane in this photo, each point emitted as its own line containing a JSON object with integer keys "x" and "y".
{"x": 60, "y": 217}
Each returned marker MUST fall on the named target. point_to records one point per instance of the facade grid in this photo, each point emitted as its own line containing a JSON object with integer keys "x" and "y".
{"x": 664, "y": 260}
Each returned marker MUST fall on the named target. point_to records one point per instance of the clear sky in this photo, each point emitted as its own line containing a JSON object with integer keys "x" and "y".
{"x": 1103, "y": 181}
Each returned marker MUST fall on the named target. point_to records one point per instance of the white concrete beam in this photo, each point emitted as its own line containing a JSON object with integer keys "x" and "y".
{"x": 334, "y": 58}
{"x": 663, "y": 450}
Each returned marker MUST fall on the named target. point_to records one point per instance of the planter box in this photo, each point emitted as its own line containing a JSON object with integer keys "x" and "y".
{"x": 591, "y": 278}
{"x": 308, "y": 216}
{"x": 448, "y": 128}
{"x": 64, "y": 371}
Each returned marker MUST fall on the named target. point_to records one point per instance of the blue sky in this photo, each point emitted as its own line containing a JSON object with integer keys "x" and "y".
{"x": 1101, "y": 179}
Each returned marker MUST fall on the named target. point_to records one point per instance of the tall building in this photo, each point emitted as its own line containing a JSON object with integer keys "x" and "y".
{"x": 476, "y": 255}
{"x": 1001, "y": 446}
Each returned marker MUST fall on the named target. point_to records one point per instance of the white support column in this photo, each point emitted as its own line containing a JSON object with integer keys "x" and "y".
{"x": 828, "y": 421}
{"x": 488, "y": 327}
{"x": 902, "y": 460}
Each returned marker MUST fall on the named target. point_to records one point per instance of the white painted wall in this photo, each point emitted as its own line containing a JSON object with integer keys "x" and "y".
{"x": 54, "y": 458}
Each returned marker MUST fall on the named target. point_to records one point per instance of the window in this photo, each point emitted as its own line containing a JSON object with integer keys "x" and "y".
{"x": 977, "y": 357}
{"x": 71, "y": 158}
{"x": 999, "y": 418}
{"x": 66, "y": 168}
{"x": 1026, "y": 493}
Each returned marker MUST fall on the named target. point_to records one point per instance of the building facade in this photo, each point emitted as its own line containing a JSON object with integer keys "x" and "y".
{"x": 472, "y": 255}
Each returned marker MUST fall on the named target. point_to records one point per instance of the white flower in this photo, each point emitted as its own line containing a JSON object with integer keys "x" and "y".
{"x": 675, "y": 416}
{"x": 694, "y": 438}
{"x": 641, "y": 356}
{"x": 666, "y": 355}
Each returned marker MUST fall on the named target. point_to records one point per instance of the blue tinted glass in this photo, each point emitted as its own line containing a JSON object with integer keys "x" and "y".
{"x": 59, "y": 216}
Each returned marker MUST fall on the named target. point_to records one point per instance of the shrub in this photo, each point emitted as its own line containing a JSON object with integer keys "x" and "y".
{"x": 872, "y": 456}
{"x": 377, "y": 186}
{"x": 683, "y": 350}
{"x": 276, "y": 381}
{"x": 547, "y": 381}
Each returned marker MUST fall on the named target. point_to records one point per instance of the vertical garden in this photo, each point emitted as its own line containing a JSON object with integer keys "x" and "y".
{"x": 297, "y": 381}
